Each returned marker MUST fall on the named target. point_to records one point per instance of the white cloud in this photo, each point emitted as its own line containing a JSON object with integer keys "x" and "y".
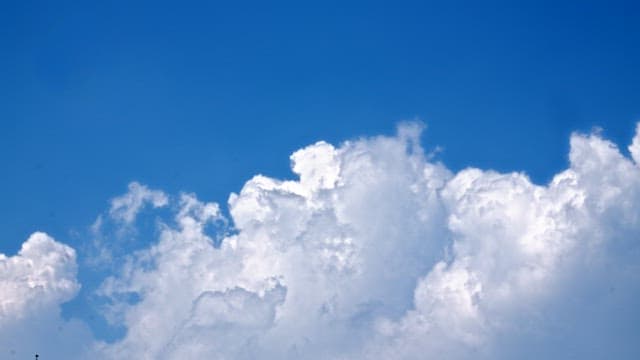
{"x": 535, "y": 271}
{"x": 114, "y": 233}
{"x": 334, "y": 240}
{"x": 378, "y": 252}
{"x": 41, "y": 274}
{"x": 386, "y": 255}
{"x": 634, "y": 148}
{"x": 33, "y": 284}
{"x": 125, "y": 208}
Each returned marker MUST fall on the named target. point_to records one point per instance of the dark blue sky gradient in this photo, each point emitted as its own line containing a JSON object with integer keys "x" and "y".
{"x": 202, "y": 96}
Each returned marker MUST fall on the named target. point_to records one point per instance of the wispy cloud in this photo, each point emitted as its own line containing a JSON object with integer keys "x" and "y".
{"x": 125, "y": 208}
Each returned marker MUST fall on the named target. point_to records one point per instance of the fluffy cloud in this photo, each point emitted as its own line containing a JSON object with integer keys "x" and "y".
{"x": 535, "y": 271}
{"x": 41, "y": 274}
{"x": 377, "y": 252}
{"x": 33, "y": 284}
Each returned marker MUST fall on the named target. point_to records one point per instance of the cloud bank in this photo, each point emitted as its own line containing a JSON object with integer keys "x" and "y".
{"x": 374, "y": 252}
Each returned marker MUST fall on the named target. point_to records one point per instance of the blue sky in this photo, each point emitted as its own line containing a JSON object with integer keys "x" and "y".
{"x": 202, "y": 96}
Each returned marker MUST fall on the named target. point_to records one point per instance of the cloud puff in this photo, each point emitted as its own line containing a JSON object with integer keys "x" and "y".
{"x": 536, "y": 271}
{"x": 377, "y": 252}
{"x": 41, "y": 274}
{"x": 334, "y": 240}
{"x": 384, "y": 254}
{"x": 33, "y": 284}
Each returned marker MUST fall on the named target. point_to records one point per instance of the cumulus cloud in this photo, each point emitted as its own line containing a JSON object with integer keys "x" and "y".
{"x": 378, "y": 252}
{"x": 536, "y": 271}
{"x": 41, "y": 274}
{"x": 339, "y": 241}
{"x": 33, "y": 284}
